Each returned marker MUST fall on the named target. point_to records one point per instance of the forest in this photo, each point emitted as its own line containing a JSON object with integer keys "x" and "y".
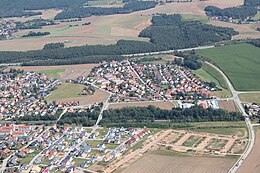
{"x": 135, "y": 115}
{"x": 252, "y": 3}
{"x": 234, "y": 12}
{"x": 166, "y": 32}
{"x": 171, "y": 32}
{"x": 53, "y": 46}
{"x": 80, "y": 12}
{"x": 34, "y": 34}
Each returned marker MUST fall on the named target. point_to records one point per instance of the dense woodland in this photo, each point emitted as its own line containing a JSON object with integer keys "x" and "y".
{"x": 170, "y": 32}
{"x": 145, "y": 115}
{"x": 252, "y": 3}
{"x": 34, "y": 34}
{"x": 234, "y": 12}
{"x": 80, "y": 12}
{"x": 17, "y": 8}
{"x": 166, "y": 32}
{"x": 255, "y": 42}
{"x": 53, "y": 46}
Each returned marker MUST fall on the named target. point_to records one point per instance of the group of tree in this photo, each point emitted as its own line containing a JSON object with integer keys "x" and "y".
{"x": 85, "y": 118}
{"x": 34, "y": 34}
{"x": 252, "y": 3}
{"x": 190, "y": 60}
{"x": 255, "y": 42}
{"x": 81, "y": 11}
{"x": 151, "y": 114}
{"x": 242, "y": 12}
{"x": 18, "y": 8}
{"x": 34, "y": 24}
{"x": 53, "y": 46}
{"x": 171, "y": 32}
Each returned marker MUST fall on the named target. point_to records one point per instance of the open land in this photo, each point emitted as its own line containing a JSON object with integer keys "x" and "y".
{"x": 252, "y": 162}
{"x": 63, "y": 71}
{"x": 250, "y": 97}
{"x": 170, "y": 142}
{"x": 239, "y": 62}
{"x": 209, "y": 74}
{"x": 159, "y": 104}
{"x": 155, "y": 163}
{"x": 68, "y": 92}
{"x": 227, "y": 105}
{"x": 111, "y": 28}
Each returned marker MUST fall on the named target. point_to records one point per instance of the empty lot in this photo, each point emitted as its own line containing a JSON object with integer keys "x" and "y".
{"x": 155, "y": 163}
{"x": 159, "y": 104}
{"x": 252, "y": 163}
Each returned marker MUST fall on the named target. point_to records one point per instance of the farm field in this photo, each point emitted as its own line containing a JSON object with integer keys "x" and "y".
{"x": 154, "y": 163}
{"x": 68, "y": 92}
{"x": 159, "y": 104}
{"x": 108, "y": 29}
{"x": 239, "y": 62}
{"x": 251, "y": 164}
{"x": 63, "y": 71}
{"x": 250, "y": 97}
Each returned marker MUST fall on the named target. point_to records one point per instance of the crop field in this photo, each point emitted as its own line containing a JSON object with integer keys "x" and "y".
{"x": 251, "y": 164}
{"x": 239, "y": 62}
{"x": 250, "y": 97}
{"x": 68, "y": 92}
{"x": 169, "y": 161}
{"x": 159, "y": 104}
{"x": 63, "y": 71}
{"x": 107, "y": 29}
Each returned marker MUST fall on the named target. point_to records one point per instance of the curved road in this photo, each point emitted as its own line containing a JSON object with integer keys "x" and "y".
{"x": 251, "y": 139}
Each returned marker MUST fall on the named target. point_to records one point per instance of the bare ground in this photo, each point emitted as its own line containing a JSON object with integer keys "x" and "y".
{"x": 151, "y": 163}
{"x": 252, "y": 162}
{"x": 227, "y": 105}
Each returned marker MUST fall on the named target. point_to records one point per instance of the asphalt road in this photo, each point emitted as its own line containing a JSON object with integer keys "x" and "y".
{"x": 251, "y": 139}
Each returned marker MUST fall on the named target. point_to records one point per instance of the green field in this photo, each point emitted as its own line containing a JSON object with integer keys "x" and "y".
{"x": 210, "y": 74}
{"x": 240, "y": 62}
{"x": 191, "y": 141}
{"x": 66, "y": 91}
{"x": 250, "y": 97}
{"x": 55, "y": 73}
{"x": 191, "y": 17}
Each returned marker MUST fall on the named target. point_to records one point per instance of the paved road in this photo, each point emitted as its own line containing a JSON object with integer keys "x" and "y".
{"x": 5, "y": 161}
{"x": 167, "y": 51}
{"x": 251, "y": 139}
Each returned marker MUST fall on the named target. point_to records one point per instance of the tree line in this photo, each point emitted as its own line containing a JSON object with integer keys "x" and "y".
{"x": 34, "y": 34}
{"x": 151, "y": 114}
{"x": 81, "y": 12}
{"x": 233, "y": 12}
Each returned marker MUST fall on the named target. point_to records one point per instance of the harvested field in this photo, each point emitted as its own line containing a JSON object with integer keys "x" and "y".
{"x": 71, "y": 71}
{"x": 245, "y": 31}
{"x": 108, "y": 29}
{"x": 69, "y": 92}
{"x": 250, "y": 97}
{"x": 159, "y": 104}
{"x": 252, "y": 162}
{"x": 228, "y": 105}
{"x": 152, "y": 163}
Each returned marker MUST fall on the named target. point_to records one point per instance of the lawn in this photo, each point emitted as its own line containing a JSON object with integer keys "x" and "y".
{"x": 209, "y": 74}
{"x": 94, "y": 143}
{"x": 250, "y": 97}
{"x": 55, "y": 73}
{"x": 65, "y": 91}
{"x": 240, "y": 62}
